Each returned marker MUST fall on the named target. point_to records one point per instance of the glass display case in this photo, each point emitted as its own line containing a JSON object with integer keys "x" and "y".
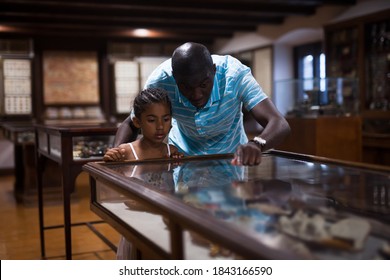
{"x": 323, "y": 115}
{"x": 377, "y": 87}
{"x": 360, "y": 47}
{"x": 21, "y": 135}
{"x": 343, "y": 52}
{"x": 317, "y": 97}
{"x": 289, "y": 206}
{"x": 71, "y": 147}
{"x": 19, "y": 132}
{"x": 377, "y": 41}
{"x": 75, "y": 143}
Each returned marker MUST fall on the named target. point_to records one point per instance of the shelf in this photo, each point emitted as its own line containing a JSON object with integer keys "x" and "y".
{"x": 360, "y": 48}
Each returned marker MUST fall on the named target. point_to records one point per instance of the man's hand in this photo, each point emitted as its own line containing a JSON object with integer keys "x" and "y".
{"x": 248, "y": 154}
{"x": 177, "y": 155}
{"x": 115, "y": 154}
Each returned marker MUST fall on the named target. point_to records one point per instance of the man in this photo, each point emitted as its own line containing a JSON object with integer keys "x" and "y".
{"x": 207, "y": 94}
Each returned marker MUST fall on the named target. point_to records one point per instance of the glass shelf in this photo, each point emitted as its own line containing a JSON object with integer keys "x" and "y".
{"x": 343, "y": 56}
{"x": 315, "y": 97}
{"x": 377, "y": 40}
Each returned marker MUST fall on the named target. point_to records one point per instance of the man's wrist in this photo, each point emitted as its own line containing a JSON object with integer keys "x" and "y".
{"x": 261, "y": 142}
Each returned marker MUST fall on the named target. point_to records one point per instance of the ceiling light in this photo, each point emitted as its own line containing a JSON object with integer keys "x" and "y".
{"x": 141, "y": 32}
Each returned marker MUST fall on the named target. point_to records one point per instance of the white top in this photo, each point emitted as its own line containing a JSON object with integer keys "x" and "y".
{"x": 136, "y": 156}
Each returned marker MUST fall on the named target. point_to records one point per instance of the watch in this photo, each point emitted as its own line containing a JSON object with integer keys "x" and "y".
{"x": 259, "y": 141}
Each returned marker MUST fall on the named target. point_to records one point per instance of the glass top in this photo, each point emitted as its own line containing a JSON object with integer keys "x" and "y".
{"x": 328, "y": 205}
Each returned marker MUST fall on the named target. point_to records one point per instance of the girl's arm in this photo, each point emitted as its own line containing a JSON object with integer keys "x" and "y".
{"x": 119, "y": 153}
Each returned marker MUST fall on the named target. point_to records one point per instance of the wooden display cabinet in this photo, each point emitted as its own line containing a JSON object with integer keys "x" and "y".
{"x": 70, "y": 146}
{"x": 22, "y": 136}
{"x": 360, "y": 48}
{"x": 338, "y": 137}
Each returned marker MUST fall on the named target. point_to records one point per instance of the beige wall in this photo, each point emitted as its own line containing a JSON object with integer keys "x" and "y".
{"x": 262, "y": 70}
{"x": 269, "y": 34}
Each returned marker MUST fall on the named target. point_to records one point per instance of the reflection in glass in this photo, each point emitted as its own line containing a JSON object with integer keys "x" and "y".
{"x": 266, "y": 201}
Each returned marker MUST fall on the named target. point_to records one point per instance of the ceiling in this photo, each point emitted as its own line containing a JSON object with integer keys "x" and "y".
{"x": 179, "y": 20}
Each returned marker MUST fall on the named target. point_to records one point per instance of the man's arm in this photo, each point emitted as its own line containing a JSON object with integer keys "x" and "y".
{"x": 276, "y": 129}
{"x": 126, "y": 132}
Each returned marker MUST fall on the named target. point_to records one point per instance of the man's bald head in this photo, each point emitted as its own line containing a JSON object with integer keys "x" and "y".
{"x": 190, "y": 58}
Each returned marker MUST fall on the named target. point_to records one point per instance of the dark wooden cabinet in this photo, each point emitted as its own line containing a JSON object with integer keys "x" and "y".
{"x": 337, "y": 137}
{"x": 360, "y": 48}
{"x": 22, "y": 137}
{"x": 70, "y": 146}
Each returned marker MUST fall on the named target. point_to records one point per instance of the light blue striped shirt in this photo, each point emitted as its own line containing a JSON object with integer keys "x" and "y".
{"x": 217, "y": 127}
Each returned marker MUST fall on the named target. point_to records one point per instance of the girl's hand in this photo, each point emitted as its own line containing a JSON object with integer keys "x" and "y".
{"x": 115, "y": 154}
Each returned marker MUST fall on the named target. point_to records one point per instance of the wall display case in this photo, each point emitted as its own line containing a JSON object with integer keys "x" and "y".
{"x": 71, "y": 147}
{"x": 317, "y": 97}
{"x": 377, "y": 45}
{"x": 126, "y": 79}
{"x": 323, "y": 115}
{"x": 343, "y": 53}
{"x": 71, "y": 87}
{"x": 129, "y": 77}
{"x": 70, "y": 77}
{"x": 16, "y": 92}
{"x": 16, "y": 78}
{"x": 130, "y": 65}
{"x": 289, "y": 206}
{"x": 360, "y": 48}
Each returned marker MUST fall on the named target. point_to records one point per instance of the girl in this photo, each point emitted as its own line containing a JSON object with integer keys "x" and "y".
{"x": 153, "y": 115}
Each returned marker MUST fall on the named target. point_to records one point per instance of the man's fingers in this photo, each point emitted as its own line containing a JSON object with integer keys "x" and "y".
{"x": 237, "y": 160}
{"x": 246, "y": 155}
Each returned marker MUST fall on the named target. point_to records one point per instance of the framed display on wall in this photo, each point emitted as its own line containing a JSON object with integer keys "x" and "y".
{"x": 70, "y": 77}
{"x": 129, "y": 79}
{"x": 126, "y": 84}
{"x": 16, "y": 86}
{"x": 130, "y": 66}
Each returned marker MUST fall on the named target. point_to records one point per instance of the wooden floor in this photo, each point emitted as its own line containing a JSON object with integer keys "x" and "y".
{"x": 19, "y": 227}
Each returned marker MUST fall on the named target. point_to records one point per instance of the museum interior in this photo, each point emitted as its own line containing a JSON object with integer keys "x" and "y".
{"x": 69, "y": 71}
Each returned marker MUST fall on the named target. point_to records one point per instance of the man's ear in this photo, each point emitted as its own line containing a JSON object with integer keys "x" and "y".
{"x": 174, "y": 76}
{"x": 137, "y": 122}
